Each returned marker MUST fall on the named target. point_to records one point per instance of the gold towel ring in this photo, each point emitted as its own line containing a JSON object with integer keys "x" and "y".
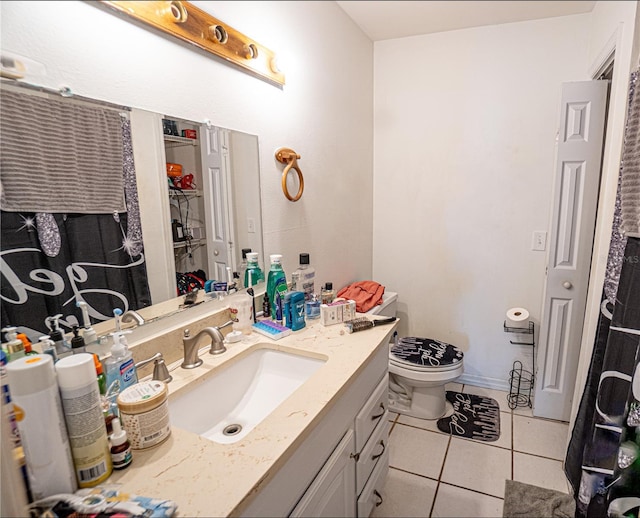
{"x": 284, "y": 155}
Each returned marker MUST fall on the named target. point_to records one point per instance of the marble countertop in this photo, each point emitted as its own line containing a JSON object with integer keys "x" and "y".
{"x": 209, "y": 479}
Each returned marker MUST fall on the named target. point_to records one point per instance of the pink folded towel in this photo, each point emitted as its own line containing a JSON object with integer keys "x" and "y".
{"x": 367, "y": 294}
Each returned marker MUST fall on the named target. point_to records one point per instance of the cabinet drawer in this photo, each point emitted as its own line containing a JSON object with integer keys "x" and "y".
{"x": 373, "y": 491}
{"x": 372, "y": 452}
{"x": 372, "y": 412}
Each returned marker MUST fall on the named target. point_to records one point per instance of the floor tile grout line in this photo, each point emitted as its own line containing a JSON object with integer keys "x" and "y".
{"x": 539, "y": 456}
{"x": 487, "y": 443}
{"x": 413, "y": 473}
{"x": 435, "y": 494}
{"x": 472, "y": 490}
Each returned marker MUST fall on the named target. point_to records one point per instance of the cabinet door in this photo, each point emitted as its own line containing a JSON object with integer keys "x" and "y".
{"x": 332, "y": 492}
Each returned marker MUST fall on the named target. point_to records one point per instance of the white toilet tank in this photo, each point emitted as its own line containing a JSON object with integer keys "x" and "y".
{"x": 389, "y": 306}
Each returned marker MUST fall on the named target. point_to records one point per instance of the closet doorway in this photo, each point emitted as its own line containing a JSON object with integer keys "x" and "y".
{"x": 579, "y": 162}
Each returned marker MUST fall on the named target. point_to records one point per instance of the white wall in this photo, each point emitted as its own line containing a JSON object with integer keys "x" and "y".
{"x": 324, "y": 111}
{"x": 465, "y": 127}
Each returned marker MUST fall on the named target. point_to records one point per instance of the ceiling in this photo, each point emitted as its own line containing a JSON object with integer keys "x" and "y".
{"x": 383, "y": 20}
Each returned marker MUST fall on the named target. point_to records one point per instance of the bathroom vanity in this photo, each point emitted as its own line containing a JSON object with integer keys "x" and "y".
{"x": 321, "y": 452}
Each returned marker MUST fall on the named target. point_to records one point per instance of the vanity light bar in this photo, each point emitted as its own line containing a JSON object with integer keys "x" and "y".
{"x": 186, "y": 22}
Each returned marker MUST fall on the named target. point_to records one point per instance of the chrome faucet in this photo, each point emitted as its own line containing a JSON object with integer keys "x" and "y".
{"x": 160, "y": 371}
{"x": 190, "y": 343}
{"x": 132, "y": 316}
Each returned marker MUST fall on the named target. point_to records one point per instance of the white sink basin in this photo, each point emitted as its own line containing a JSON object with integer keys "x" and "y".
{"x": 228, "y": 404}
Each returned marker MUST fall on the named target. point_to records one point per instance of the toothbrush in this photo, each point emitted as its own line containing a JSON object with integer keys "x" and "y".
{"x": 116, "y": 314}
{"x": 89, "y": 335}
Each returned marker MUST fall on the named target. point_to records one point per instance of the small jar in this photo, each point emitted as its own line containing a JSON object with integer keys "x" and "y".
{"x": 144, "y": 410}
{"x": 327, "y": 294}
{"x": 312, "y": 307}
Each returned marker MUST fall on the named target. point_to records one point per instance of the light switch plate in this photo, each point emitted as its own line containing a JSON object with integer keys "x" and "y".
{"x": 539, "y": 241}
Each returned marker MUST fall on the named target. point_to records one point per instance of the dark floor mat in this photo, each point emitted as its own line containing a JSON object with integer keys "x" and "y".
{"x": 474, "y": 417}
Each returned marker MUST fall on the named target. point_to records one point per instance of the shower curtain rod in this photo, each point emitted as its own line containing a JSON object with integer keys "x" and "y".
{"x": 64, "y": 91}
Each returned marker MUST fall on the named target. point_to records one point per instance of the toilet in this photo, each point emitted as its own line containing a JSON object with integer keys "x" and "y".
{"x": 419, "y": 369}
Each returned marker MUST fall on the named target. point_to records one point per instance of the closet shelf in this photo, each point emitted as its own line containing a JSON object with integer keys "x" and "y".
{"x": 194, "y": 243}
{"x": 185, "y": 192}
{"x": 171, "y": 141}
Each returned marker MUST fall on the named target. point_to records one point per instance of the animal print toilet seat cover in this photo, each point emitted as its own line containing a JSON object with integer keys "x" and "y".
{"x": 426, "y": 352}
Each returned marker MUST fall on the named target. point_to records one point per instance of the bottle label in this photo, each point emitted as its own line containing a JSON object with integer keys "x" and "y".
{"x": 87, "y": 434}
{"x": 122, "y": 459}
{"x": 128, "y": 373}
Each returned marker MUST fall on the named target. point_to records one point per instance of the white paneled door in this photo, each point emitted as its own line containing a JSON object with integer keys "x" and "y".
{"x": 215, "y": 165}
{"x": 575, "y": 199}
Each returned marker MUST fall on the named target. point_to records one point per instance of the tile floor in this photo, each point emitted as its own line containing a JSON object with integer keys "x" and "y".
{"x": 433, "y": 474}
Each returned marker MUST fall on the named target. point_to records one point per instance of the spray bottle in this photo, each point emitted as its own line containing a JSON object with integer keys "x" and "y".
{"x": 89, "y": 335}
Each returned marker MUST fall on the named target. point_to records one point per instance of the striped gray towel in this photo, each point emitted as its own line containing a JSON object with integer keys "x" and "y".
{"x": 58, "y": 156}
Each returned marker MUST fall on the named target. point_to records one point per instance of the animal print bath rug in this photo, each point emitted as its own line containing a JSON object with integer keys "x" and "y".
{"x": 474, "y": 417}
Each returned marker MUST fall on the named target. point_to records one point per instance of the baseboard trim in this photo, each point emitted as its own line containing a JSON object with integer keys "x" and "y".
{"x": 484, "y": 382}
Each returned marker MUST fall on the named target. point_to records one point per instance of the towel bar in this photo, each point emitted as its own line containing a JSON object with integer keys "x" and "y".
{"x": 289, "y": 157}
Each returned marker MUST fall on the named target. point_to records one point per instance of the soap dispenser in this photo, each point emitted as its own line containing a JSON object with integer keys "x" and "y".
{"x": 62, "y": 346}
{"x": 77, "y": 342}
{"x": 120, "y": 366}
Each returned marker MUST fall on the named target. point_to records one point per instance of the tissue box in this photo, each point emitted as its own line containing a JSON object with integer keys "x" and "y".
{"x": 337, "y": 312}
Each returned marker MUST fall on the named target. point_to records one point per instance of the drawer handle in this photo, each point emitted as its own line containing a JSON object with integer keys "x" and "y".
{"x": 374, "y": 457}
{"x": 354, "y": 456}
{"x": 375, "y": 492}
{"x": 374, "y": 417}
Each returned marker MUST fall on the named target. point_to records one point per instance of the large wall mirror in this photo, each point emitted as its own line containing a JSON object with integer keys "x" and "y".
{"x": 198, "y": 193}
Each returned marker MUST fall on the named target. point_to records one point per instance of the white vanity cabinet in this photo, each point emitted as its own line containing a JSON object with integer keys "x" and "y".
{"x": 331, "y": 493}
{"x": 340, "y": 467}
{"x": 372, "y": 438}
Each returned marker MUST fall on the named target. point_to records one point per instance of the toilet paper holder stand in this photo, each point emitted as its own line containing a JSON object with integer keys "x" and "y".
{"x": 520, "y": 380}
{"x": 521, "y": 331}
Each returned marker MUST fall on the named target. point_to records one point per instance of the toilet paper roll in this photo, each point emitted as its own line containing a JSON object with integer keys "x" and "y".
{"x": 518, "y": 318}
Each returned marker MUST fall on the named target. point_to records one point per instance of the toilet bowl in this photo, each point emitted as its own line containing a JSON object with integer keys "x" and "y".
{"x": 419, "y": 369}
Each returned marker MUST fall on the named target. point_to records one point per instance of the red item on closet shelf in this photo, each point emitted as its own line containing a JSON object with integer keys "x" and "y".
{"x": 174, "y": 170}
{"x": 367, "y": 294}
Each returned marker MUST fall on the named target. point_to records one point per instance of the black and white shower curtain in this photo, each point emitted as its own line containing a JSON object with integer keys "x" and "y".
{"x": 603, "y": 459}
{"x": 70, "y": 227}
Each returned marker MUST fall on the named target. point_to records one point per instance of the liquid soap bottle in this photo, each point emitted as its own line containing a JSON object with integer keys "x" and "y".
{"x": 253, "y": 274}
{"x": 120, "y": 366}
{"x": 276, "y": 286}
{"x": 243, "y": 268}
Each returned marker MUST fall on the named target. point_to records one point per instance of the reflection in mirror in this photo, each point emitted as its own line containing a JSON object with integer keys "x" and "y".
{"x": 197, "y": 221}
